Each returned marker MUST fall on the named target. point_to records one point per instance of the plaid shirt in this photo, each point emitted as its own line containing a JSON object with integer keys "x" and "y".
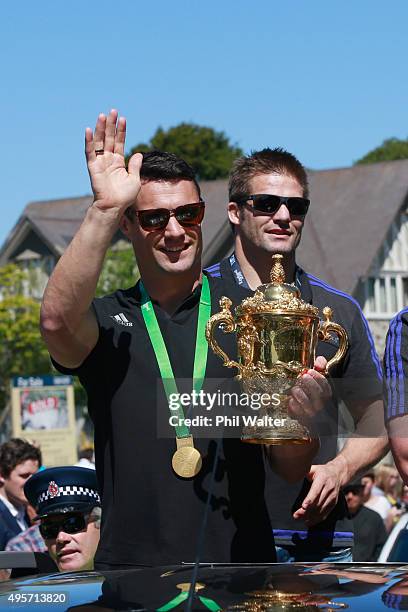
{"x": 28, "y": 540}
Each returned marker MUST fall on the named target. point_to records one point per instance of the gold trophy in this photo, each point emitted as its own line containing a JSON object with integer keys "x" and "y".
{"x": 277, "y": 334}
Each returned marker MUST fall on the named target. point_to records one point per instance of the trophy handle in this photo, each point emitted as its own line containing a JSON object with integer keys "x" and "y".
{"x": 340, "y": 332}
{"x": 225, "y": 317}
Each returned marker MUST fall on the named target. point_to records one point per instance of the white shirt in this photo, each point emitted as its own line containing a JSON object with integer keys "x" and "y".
{"x": 85, "y": 463}
{"x": 380, "y": 504}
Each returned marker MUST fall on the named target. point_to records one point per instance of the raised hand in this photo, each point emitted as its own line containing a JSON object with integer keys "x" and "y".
{"x": 113, "y": 186}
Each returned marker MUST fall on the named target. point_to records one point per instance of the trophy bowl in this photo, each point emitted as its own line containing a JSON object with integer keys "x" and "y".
{"x": 277, "y": 335}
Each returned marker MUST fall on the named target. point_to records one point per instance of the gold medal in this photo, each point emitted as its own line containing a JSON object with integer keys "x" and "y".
{"x": 186, "y": 460}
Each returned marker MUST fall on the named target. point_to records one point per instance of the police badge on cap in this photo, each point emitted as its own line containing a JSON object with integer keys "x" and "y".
{"x": 62, "y": 489}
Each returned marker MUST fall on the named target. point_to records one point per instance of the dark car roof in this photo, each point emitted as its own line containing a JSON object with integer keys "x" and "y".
{"x": 357, "y": 586}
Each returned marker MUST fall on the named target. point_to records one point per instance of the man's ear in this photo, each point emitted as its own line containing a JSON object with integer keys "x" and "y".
{"x": 2, "y": 479}
{"x": 234, "y": 213}
{"x": 125, "y": 225}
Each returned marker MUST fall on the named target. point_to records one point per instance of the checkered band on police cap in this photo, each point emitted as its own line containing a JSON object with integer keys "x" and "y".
{"x": 76, "y": 492}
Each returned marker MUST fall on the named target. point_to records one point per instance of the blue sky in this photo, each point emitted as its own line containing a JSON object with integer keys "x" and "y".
{"x": 326, "y": 80}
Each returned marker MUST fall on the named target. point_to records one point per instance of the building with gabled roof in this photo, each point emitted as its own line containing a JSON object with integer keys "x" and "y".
{"x": 355, "y": 236}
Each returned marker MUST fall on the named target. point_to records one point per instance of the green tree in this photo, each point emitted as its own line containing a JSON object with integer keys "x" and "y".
{"x": 119, "y": 269}
{"x": 209, "y": 152}
{"x": 22, "y": 351}
{"x": 389, "y": 150}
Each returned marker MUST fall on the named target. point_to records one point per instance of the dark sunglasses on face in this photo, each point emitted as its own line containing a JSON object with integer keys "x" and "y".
{"x": 158, "y": 218}
{"x": 72, "y": 523}
{"x": 269, "y": 204}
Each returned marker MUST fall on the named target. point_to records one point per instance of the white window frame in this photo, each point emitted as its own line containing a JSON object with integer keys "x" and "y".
{"x": 391, "y": 262}
{"x": 390, "y": 310}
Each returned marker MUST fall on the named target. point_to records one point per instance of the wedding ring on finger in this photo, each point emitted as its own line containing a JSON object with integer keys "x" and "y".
{"x": 99, "y": 151}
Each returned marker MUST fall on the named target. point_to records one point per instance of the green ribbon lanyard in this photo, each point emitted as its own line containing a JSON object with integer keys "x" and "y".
{"x": 208, "y": 603}
{"x": 162, "y": 356}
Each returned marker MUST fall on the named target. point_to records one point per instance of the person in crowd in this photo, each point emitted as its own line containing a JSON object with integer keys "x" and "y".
{"x": 369, "y": 530}
{"x": 131, "y": 349}
{"x": 404, "y": 496}
{"x": 268, "y": 206}
{"x": 28, "y": 540}
{"x": 384, "y": 499}
{"x": 368, "y": 481}
{"x": 68, "y": 505}
{"x": 19, "y": 460}
{"x": 86, "y": 458}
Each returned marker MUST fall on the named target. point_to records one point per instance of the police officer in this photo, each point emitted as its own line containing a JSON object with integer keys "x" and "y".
{"x": 68, "y": 504}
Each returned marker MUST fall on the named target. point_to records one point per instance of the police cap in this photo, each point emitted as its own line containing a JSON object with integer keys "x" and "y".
{"x": 62, "y": 489}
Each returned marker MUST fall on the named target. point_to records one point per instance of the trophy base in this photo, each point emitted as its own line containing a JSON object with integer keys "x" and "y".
{"x": 292, "y": 433}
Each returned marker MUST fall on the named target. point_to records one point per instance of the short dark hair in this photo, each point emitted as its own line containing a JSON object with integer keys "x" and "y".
{"x": 355, "y": 488}
{"x": 16, "y": 451}
{"x": 165, "y": 167}
{"x": 266, "y": 161}
{"x": 86, "y": 453}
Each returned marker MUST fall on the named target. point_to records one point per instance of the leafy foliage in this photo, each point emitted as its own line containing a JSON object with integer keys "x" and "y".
{"x": 22, "y": 351}
{"x": 209, "y": 152}
{"x": 391, "y": 149}
{"x": 119, "y": 270}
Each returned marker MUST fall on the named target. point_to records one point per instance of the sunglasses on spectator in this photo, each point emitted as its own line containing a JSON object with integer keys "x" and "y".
{"x": 72, "y": 523}
{"x": 158, "y": 218}
{"x": 269, "y": 204}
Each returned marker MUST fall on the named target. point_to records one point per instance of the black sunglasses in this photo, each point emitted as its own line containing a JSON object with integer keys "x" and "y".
{"x": 72, "y": 523}
{"x": 269, "y": 204}
{"x": 158, "y": 218}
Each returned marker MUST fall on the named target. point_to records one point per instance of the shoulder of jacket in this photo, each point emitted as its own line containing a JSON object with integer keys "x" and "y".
{"x": 402, "y": 315}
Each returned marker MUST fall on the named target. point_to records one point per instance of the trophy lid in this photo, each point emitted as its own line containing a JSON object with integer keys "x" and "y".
{"x": 278, "y": 287}
{"x": 277, "y": 295}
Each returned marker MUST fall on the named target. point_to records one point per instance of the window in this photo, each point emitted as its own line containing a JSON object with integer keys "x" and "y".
{"x": 370, "y": 300}
{"x": 404, "y": 292}
{"x": 393, "y": 294}
{"x": 385, "y": 295}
